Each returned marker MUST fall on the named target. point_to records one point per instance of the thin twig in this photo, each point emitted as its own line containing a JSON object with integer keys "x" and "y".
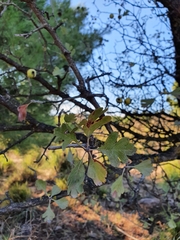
{"x": 13, "y": 4}
{"x": 4, "y": 9}
{"x": 97, "y": 76}
{"x": 73, "y": 145}
{"x": 128, "y": 235}
{"x": 17, "y": 142}
{"x": 26, "y": 35}
{"x": 45, "y": 149}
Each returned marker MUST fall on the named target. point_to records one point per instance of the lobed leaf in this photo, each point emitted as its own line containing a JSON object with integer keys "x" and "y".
{"x": 117, "y": 188}
{"x": 96, "y": 114}
{"x": 97, "y": 172}
{"x": 68, "y": 47}
{"x": 176, "y": 92}
{"x": 147, "y": 102}
{"x": 132, "y": 64}
{"x": 90, "y": 128}
{"x": 171, "y": 223}
{"x": 55, "y": 190}
{"x": 58, "y": 72}
{"x": 41, "y": 185}
{"x": 70, "y": 157}
{"x": 145, "y": 167}
{"x": 76, "y": 179}
{"x": 48, "y": 215}
{"x": 117, "y": 150}
{"x": 66, "y": 134}
{"x": 62, "y": 203}
{"x": 70, "y": 117}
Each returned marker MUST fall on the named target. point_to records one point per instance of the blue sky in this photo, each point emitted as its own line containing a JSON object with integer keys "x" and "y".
{"x": 114, "y": 44}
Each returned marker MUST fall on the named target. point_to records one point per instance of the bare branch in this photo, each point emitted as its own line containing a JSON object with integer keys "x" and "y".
{"x": 16, "y": 142}
{"x": 9, "y": 3}
{"x": 45, "y": 149}
{"x": 27, "y": 35}
{"x": 18, "y": 207}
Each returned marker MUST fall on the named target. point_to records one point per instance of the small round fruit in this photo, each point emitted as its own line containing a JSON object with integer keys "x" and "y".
{"x": 31, "y": 73}
{"x": 119, "y": 100}
{"x": 127, "y": 101}
{"x": 111, "y": 15}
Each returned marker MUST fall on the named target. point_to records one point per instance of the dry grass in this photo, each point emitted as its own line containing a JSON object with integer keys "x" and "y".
{"x": 77, "y": 222}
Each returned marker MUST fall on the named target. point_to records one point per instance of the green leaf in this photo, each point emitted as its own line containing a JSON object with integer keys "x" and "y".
{"x": 55, "y": 190}
{"x": 117, "y": 188}
{"x": 68, "y": 139}
{"x": 70, "y": 157}
{"x": 76, "y": 179}
{"x": 41, "y": 185}
{"x": 90, "y": 128}
{"x": 131, "y": 64}
{"x": 165, "y": 187}
{"x": 172, "y": 223}
{"x": 82, "y": 122}
{"x": 68, "y": 47}
{"x": 48, "y": 215}
{"x": 70, "y": 117}
{"x": 94, "y": 121}
{"x": 176, "y": 92}
{"x": 126, "y": 12}
{"x": 147, "y": 102}
{"x": 73, "y": 51}
{"x": 58, "y": 72}
{"x": 63, "y": 30}
{"x": 117, "y": 150}
{"x": 66, "y": 134}
{"x": 145, "y": 167}
{"x": 62, "y": 56}
{"x": 96, "y": 114}
{"x": 62, "y": 203}
{"x": 97, "y": 172}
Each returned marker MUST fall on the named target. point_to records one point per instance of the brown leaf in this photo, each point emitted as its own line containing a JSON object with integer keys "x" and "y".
{"x": 22, "y": 112}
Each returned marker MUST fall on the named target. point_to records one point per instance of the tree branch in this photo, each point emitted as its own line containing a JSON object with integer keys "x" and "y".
{"x": 16, "y": 142}
{"x": 27, "y": 35}
{"x": 18, "y": 207}
{"x": 81, "y": 87}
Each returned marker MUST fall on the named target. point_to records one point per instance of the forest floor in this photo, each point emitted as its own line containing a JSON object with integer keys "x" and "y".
{"x": 78, "y": 222}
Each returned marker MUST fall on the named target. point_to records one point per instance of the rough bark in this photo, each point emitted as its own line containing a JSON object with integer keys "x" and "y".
{"x": 174, "y": 18}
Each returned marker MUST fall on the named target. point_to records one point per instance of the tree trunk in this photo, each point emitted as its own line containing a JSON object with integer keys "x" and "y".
{"x": 174, "y": 18}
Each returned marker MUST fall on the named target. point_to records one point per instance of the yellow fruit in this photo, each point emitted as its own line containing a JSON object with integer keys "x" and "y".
{"x": 127, "y": 101}
{"x": 111, "y": 15}
{"x": 119, "y": 100}
{"x": 31, "y": 73}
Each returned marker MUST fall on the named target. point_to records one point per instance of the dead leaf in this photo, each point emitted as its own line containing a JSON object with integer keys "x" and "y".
{"x": 22, "y": 112}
